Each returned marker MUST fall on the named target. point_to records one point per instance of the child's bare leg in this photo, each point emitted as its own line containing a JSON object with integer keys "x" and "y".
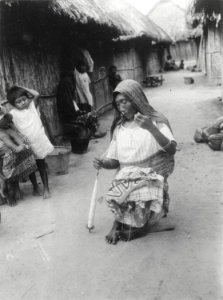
{"x": 11, "y": 193}
{"x": 18, "y": 192}
{"x": 41, "y": 165}
{"x": 36, "y": 191}
{"x": 2, "y": 187}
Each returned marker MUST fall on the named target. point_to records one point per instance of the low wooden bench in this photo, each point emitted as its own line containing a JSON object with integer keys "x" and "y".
{"x": 153, "y": 80}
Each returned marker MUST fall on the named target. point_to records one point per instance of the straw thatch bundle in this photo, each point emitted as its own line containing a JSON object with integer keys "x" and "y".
{"x": 37, "y": 27}
{"x": 171, "y": 17}
{"x": 34, "y": 32}
{"x": 205, "y": 11}
{"x": 208, "y": 6}
{"x": 127, "y": 20}
{"x": 116, "y": 15}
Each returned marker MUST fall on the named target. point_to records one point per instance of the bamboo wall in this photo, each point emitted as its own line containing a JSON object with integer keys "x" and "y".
{"x": 40, "y": 70}
{"x": 129, "y": 62}
{"x": 213, "y": 54}
{"x": 186, "y": 50}
{"x": 221, "y": 34}
{"x": 210, "y": 55}
{"x": 202, "y": 55}
{"x": 102, "y": 92}
{"x": 153, "y": 65}
{"x": 34, "y": 69}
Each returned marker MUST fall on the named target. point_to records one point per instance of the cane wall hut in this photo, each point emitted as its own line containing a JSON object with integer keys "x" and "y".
{"x": 209, "y": 15}
{"x": 39, "y": 39}
{"x": 134, "y": 53}
{"x": 172, "y": 17}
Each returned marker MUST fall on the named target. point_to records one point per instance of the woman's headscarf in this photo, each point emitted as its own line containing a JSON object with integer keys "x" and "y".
{"x": 133, "y": 91}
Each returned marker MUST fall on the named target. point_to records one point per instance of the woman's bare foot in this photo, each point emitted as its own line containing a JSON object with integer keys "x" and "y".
{"x": 112, "y": 237}
{"x": 36, "y": 192}
{"x": 161, "y": 228}
{"x": 46, "y": 194}
{"x": 132, "y": 233}
{"x": 12, "y": 202}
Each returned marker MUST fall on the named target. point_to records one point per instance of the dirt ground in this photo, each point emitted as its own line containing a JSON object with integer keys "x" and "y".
{"x": 69, "y": 263}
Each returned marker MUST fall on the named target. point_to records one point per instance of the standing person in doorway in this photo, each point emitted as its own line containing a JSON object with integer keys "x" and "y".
{"x": 114, "y": 77}
{"x": 84, "y": 95}
{"x": 78, "y": 125}
{"x": 26, "y": 119}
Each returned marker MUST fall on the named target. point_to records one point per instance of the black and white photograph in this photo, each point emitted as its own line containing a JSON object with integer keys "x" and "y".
{"x": 111, "y": 150}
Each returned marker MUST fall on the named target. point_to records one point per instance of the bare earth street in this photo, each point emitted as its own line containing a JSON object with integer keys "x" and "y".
{"x": 69, "y": 263}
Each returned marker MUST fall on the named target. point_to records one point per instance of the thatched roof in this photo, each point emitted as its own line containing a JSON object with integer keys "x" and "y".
{"x": 208, "y": 6}
{"x": 172, "y": 18}
{"x": 125, "y": 21}
{"x": 201, "y": 12}
{"x": 118, "y": 14}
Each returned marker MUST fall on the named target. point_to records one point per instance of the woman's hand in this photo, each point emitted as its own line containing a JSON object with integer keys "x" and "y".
{"x": 98, "y": 163}
{"x": 144, "y": 121}
{"x": 20, "y": 148}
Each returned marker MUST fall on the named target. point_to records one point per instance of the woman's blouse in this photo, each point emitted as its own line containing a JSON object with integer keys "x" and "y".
{"x": 134, "y": 144}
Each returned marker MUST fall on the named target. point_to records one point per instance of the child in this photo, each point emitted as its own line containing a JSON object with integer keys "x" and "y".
{"x": 8, "y": 134}
{"x": 16, "y": 158}
{"x": 114, "y": 77}
{"x": 27, "y": 121}
{"x": 84, "y": 95}
{"x": 181, "y": 66}
{"x": 85, "y": 98}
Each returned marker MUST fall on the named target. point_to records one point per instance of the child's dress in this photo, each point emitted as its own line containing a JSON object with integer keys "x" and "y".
{"x": 28, "y": 122}
{"x": 83, "y": 88}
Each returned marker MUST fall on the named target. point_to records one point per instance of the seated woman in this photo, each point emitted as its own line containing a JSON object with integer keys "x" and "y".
{"x": 16, "y": 160}
{"x": 142, "y": 149}
{"x": 170, "y": 64}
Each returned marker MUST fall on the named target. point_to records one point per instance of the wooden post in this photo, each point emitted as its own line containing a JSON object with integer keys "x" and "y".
{"x": 221, "y": 46}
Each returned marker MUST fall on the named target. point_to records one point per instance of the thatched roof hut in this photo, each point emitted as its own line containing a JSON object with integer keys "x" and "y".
{"x": 208, "y": 14}
{"x": 135, "y": 25}
{"x": 109, "y": 14}
{"x": 38, "y": 25}
{"x": 172, "y": 17}
{"x": 208, "y": 7}
{"x": 202, "y": 11}
{"x": 39, "y": 39}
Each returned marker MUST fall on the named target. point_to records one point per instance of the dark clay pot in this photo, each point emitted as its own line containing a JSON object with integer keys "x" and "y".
{"x": 79, "y": 146}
